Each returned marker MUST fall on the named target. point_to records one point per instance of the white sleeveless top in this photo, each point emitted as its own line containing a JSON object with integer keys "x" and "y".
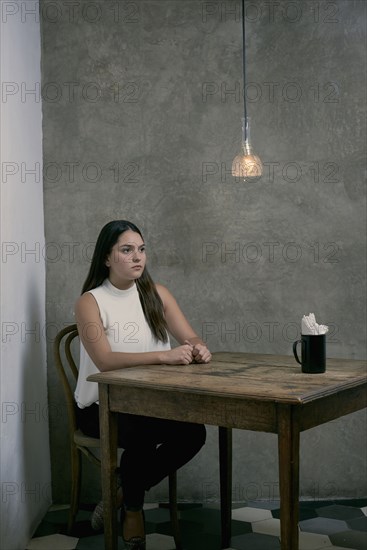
{"x": 126, "y": 329}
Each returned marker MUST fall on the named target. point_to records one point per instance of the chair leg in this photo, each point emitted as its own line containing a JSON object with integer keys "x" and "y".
{"x": 76, "y": 467}
{"x": 172, "y": 483}
{"x": 225, "y": 466}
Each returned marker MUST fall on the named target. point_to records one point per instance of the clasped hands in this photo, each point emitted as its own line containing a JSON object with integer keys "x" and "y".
{"x": 199, "y": 352}
{"x": 188, "y": 353}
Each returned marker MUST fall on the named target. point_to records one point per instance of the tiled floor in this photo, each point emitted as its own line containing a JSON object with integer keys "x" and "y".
{"x": 337, "y": 525}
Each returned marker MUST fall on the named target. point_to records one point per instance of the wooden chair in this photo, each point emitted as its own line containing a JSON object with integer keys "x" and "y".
{"x": 80, "y": 443}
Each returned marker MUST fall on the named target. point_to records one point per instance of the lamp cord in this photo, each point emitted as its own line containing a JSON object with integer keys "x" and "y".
{"x": 244, "y": 66}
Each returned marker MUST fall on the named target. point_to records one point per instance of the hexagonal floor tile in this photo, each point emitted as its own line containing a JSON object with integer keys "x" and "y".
{"x": 304, "y": 512}
{"x": 337, "y": 511}
{"x": 358, "y": 524}
{"x": 200, "y": 541}
{"x": 160, "y": 542}
{"x": 352, "y": 539}
{"x": 312, "y": 541}
{"x": 201, "y": 520}
{"x": 251, "y": 514}
{"x": 323, "y": 526}
{"x": 57, "y": 541}
{"x": 267, "y": 527}
{"x": 255, "y": 541}
{"x": 94, "y": 543}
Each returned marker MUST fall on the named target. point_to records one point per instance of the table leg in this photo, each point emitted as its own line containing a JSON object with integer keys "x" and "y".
{"x": 225, "y": 469}
{"x": 108, "y": 433}
{"x": 288, "y": 447}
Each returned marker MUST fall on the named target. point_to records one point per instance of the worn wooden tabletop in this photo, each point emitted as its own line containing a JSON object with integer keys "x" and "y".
{"x": 248, "y": 376}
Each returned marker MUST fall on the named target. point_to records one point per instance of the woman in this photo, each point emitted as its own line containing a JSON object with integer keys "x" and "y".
{"x": 123, "y": 319}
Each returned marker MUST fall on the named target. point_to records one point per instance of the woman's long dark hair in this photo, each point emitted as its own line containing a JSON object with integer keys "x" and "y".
{"x": 149, "y": 298}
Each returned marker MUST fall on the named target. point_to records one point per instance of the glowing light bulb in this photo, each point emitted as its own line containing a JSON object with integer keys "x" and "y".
{"x": 247, "y": 164}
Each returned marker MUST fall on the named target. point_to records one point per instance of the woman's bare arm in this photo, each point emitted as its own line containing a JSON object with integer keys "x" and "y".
{"x": 180, "y": 328}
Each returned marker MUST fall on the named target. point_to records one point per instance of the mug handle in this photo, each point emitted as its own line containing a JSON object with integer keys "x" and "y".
{"x": 295, "y": 350}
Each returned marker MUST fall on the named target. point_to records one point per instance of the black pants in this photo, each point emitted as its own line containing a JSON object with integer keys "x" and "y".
{"x": 153, "y": 448}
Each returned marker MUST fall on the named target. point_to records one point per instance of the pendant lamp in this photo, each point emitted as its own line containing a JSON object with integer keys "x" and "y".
{"x": 246, "y": 164}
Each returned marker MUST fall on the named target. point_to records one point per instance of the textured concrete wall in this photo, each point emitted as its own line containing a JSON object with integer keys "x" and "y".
{"x": 142, "y": 118}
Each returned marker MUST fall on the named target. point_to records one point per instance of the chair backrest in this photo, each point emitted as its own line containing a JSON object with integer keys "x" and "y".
{"x": 65, "y": 365}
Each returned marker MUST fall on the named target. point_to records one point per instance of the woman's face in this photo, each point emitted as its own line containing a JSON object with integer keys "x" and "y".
{"x": 126, "y": 261}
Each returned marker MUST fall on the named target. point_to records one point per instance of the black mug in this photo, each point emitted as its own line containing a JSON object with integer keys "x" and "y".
{"x": 313, "y": 353}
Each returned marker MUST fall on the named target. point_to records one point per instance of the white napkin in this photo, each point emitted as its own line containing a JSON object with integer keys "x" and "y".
{"x": 309, "y": 325}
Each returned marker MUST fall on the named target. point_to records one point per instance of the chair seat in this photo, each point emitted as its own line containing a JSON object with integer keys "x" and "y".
{"x": 85, "y": 440}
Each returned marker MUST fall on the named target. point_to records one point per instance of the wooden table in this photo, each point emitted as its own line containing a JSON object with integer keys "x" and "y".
{"x": 266, "y": 393}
